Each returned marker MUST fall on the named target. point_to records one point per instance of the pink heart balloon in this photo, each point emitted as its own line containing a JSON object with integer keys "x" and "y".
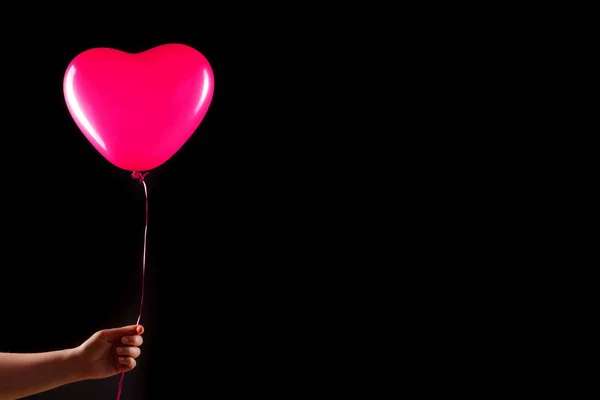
{"x": 138, "y": 109}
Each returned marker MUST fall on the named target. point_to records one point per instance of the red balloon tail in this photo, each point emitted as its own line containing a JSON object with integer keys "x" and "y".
{"x": 139, "y": 176}
{"x": 121, "y": 384}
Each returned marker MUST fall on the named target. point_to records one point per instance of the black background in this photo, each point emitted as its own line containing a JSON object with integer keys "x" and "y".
{"x": 73, "y": 228}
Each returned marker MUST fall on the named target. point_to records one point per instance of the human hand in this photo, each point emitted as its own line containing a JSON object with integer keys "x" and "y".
{"x": 109, "y": 351}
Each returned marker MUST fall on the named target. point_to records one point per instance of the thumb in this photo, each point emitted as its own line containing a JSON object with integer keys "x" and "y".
{"x": 117, "y": 333}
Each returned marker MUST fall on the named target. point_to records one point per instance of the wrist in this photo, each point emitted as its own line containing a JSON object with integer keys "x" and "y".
{"x": 74, "y": 364}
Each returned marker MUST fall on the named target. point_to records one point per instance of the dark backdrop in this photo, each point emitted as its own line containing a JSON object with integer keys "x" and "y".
{"x": 73, "y": 223}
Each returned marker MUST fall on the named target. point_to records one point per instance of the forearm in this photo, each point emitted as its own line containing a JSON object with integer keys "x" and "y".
{"x": 23, "y": 375}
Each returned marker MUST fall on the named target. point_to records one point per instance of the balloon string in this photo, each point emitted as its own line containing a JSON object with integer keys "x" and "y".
{"x": 140, "y": 177}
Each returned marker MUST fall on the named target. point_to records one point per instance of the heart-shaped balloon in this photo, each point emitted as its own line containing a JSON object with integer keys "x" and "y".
{"x": 138, "y": 109}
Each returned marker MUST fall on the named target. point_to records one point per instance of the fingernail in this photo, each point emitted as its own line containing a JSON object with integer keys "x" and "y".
{"x": 121, "y": 358}
{"x": 125, "y": 340}
{"x": 120, "y": 350}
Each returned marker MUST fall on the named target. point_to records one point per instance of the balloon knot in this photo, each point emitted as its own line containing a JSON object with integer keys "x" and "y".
{"x": 139, "y": 176}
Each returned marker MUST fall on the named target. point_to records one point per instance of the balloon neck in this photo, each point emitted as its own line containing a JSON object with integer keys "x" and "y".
{"x": 139, "y": 176}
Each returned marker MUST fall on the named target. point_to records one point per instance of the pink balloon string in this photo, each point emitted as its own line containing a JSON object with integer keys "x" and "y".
{"x": 140, "y": 177}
